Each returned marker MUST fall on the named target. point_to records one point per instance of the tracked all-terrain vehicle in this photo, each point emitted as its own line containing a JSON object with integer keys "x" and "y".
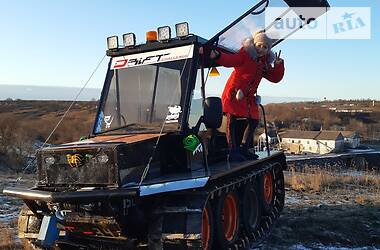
{"x": 155, "y": 171}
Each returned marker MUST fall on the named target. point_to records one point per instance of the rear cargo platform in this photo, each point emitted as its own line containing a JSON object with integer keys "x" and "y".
{"x": 199, "y": 178}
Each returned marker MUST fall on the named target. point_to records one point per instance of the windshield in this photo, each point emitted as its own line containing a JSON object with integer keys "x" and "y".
{"x": 275, "y": 17}
{"x": 146, "y": 91}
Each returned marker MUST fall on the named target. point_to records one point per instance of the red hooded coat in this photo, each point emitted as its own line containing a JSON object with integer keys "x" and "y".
{"x": 246, "y": 76}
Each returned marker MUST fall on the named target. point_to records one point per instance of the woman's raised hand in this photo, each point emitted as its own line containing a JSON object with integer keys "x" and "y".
{"x": 278, "y": 59}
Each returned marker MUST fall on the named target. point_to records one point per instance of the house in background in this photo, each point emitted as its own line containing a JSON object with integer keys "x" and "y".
{"x": 351, "y": 139}
{"x": 272, "y": 139}
{"x": 318, "y": 142}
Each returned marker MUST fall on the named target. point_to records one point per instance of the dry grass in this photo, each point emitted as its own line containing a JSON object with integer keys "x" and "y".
{"x": 22, "y": 123}
{"x": 320, "y": 180}
{"x": 36, "y": 119}
{"x": 8, "y": 236}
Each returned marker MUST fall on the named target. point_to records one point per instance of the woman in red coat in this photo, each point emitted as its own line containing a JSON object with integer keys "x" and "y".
{"x": 252, "y": 63}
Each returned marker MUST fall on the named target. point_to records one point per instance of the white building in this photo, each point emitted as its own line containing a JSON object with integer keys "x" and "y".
{"x": 351, "y": 139}
{"x": 272, "y": 137}
{"x": 318, "y": 142}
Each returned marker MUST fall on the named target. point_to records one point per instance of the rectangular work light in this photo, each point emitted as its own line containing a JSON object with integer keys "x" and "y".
{"x": 182, "y": 29}
{"x": 112, "y": 42}
{"x": 129, "y": 40}
{"x": 164, "y": 33}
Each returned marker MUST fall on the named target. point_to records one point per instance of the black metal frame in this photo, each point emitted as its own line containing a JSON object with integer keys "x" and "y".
{"x": 105, "y": 90}
{"x": 265, "y": 129}
{"x": 154, "y": 94}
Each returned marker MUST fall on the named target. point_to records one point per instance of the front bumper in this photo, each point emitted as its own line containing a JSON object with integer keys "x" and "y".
{"x": 104, "y": 194}
{"x": 83, "y": 196}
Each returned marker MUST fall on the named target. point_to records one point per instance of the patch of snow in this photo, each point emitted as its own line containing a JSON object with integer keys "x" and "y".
{"x": 8, "y": 209}
{"x": 292, "y": 200}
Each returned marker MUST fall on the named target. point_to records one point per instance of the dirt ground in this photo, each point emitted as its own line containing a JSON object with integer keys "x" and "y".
{"x": 9, "y": 210}
{"x": 338, "y": 219}
{"x": 327, "y": 213}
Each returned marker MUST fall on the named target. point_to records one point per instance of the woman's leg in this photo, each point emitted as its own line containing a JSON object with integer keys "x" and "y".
{"x": 233, "y": 145}
{"x": 247, "y": 141}
{"x": 231, "y": 131}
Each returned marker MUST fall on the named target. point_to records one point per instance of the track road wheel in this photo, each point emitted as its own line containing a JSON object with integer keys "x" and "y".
{"x": 207, "y": 227}
{"x": 250, "y": 208}
{"x": 227, "y": 220}
{"x": 266, "y": 185}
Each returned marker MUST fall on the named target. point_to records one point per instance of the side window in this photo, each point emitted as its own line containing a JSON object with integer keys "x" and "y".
{"x": 214, "y": 87}
{"x": 196, "y": 109}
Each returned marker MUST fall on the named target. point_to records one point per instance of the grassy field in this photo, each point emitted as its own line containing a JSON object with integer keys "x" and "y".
{"x": 328, "y": 210}
{"x": 321, "y": 180}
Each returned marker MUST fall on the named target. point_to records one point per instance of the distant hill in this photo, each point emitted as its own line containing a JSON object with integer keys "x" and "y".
{"x": 25, "y": 92}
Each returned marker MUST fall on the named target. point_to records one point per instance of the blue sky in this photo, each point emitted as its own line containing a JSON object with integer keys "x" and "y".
{"x": 59, "y": 43}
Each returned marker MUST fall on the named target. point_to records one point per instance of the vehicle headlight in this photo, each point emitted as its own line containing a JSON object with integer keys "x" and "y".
{"x": 102, "y": 158}
{"x": 50, "y": 160}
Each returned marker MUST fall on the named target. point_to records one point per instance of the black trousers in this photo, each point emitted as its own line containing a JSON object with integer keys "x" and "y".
{"x": 232, "y": 132}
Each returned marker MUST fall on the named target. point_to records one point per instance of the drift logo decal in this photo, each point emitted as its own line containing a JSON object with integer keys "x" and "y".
{"x": 120, "y": 63}
{"x": 138, "y": 61}
{"x": 75, "y": 160}
{"x": 166, "y": 55}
